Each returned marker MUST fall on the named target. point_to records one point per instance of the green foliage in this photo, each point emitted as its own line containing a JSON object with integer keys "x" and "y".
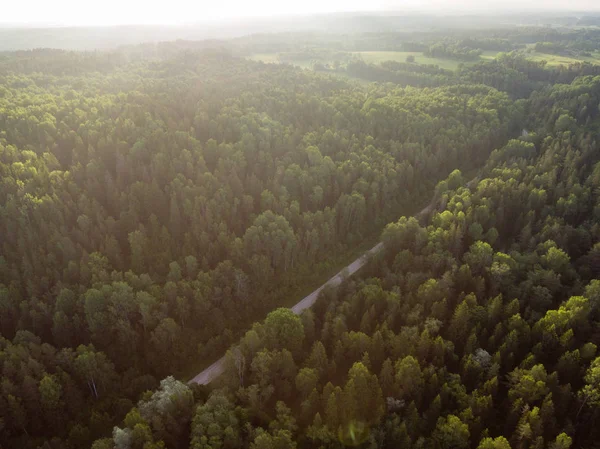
{"x": 451, "y": 432}
{"x": 494, "y": 443}
{"x": 216, "y": 424}
{"x": 284, "y": 329}
{"x": 454, "y": 51}
{"x": 156, "y": 200}
{"x": 472, "y": 314}
{"x": 590, "y": 393}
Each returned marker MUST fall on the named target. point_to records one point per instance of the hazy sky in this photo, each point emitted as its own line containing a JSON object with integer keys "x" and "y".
{"x": 113, "y": 12}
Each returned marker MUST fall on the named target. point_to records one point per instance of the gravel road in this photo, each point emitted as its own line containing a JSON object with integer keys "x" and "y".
{"x": 217, "y": 368}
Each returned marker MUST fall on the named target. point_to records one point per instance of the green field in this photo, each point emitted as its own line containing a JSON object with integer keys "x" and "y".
{"x": 556, "y": 60}
{"x": 273, "y": 58}
{"x": 377, "y": 57}
{"x": 451, "y": 64}
{"x": 489, "y": 55}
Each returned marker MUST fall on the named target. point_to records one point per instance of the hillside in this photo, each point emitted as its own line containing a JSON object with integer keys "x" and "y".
{"x": 476, "y": 329}
{"x": 164, "y": 204}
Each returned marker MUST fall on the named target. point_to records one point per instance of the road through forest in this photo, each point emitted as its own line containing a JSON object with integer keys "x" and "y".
{"x": 217, "y": 368}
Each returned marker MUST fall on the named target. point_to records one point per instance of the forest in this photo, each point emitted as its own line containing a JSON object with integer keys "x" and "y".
{"x": 158, "y": 201}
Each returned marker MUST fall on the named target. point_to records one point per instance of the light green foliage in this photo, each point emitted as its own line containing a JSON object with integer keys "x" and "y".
{"x": 565, "y": 123}
{"x": 479, "y": 257}
{"x": 215, "y": 424}
{"x": 50, "y": 392}
{"x": 284, "y": 329}
{"x": 306, "y": 381}
{"x": 272, "y": 236}
{"x": 363, "y": 400}
{"x": 408, "y": 378}
{"x": 281, "y": 439}
{"x": 556, "y": 260}
{"x": 451, "y": 432}
{"x": 494, "y": 443}
{"x": 529, "y": 385}
{"x": 590, "y": 393}
{"x": 168, "y": 411}
{"x": 563, "y": 441}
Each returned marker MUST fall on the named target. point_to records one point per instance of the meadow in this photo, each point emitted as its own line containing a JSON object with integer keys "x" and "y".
{"x": 377, "y": 57}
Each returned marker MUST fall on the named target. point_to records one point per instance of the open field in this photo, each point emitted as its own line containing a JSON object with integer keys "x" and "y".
{"x": 489, "y": 55}
{"x": 273, "y": 58}
{"x": 556, "y": 60}
{"x": 376, "y": 57}
{"x": 380, "y": 56}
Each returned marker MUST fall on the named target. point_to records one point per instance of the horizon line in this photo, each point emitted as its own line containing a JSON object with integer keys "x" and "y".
{"x": 486, "y": 12}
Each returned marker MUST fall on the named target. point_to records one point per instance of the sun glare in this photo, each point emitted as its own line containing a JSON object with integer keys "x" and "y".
{"x": 119, "y": 12}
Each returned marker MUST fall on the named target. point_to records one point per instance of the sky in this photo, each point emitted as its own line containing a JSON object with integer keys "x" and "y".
{"x": 120, "y": 12}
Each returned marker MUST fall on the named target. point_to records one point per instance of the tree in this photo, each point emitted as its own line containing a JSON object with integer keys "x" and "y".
{"x": 362, "y": 397}
{"x": 590, "y": 393}
{"x": 529, "y": 385}
{"x": 284, "y": 329}
{"x": 272, "y": 236}
{"x": 285, "y": 419}
{"x": 494, "y": 443}
{"x": 565, "y": 123}
{"x": 168, "y": 411}
{"x": 451, "y": 433}
{"x": 592, "y": 292}
{"x": 306, "y": 381}
{"x": 408, "y": 378}
{"x": 94, "y": 369}
{"x": 281, "y": 439}
{"x": 175, "y": 219}
{"x": 216, "y": 424}
{"x": 138, "y": 243}
{"x": 122, "y": 438}
{"x": 318, "y": 358}
{"x": 165, "y": 341}
{"x": 97, "y": 315}
{"x": 563, "y": 441}
{"x": 50, "y": 393}
{"x": 479, "y": 257}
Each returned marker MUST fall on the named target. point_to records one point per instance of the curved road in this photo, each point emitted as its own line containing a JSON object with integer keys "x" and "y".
{"x": 217, "y": 368}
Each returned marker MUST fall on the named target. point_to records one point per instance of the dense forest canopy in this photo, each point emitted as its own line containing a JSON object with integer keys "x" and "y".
{"x": 158, "y": 201}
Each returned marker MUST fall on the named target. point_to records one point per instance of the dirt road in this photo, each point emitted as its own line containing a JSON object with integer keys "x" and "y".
{"x": 210, "y": 373}
{"x": 217, "y": 368}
